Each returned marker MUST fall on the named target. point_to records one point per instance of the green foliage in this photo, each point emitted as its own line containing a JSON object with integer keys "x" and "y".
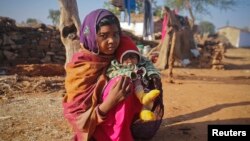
{"x": 157, "y": 11}
{"x": 54, "y": 15}
{"x": 31, "y": 21}
{"x": 200, "y": 6}
{"x": 111, "y": 8}
{"x": 207, "y": 27}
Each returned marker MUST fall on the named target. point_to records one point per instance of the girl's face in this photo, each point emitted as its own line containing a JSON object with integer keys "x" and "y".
{"x": 130, "y": 58}
{"x": 108, "y": 39}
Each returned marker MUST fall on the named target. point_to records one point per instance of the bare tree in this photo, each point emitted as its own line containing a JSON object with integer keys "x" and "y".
{"x": 54, "y": 16}
{"x": 200, "y": 6}
{"x": 69, "y": 27}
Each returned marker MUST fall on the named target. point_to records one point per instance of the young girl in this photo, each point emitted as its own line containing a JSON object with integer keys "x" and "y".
{"x": 94, "y": 107}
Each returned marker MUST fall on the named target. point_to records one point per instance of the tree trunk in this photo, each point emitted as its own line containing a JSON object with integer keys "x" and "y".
{"x": 69, "y": 27}
{"x": 188, "y": 5}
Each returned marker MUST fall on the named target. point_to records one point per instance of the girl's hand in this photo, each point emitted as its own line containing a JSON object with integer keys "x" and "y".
{"x": 120, "y": 90}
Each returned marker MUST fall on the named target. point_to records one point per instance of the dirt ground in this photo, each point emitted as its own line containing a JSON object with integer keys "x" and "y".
{"x": 31, "y": 107}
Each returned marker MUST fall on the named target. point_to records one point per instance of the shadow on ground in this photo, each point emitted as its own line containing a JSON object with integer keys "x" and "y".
{"x": 173, "y": 130}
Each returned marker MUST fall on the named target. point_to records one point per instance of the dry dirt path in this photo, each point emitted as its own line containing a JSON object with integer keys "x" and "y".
{"x": 197, "y": 98}
{"x": 201, "y": 97}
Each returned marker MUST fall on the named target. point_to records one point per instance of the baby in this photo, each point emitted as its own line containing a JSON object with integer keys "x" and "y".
{"x": 129, "y": 62}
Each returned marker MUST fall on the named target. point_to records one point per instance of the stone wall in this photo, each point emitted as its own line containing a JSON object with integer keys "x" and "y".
{"x": 37, "y": 44}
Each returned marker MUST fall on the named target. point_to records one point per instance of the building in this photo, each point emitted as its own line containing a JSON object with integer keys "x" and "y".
{"x": 137, "y": 23}
{"x": 236, "y": 36}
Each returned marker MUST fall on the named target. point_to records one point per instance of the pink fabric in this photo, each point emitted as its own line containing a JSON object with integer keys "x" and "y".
{"x": 116, "y": 126}
{"x": 164, "y": 27}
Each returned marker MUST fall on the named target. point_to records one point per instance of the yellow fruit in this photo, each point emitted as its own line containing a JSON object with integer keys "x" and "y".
{"x": 149, "y": 97}
{"x": 147, "y": 115}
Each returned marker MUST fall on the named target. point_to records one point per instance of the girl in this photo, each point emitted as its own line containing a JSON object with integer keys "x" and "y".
{"x": 96, "y": 108}
{"x": 85, "y": 79}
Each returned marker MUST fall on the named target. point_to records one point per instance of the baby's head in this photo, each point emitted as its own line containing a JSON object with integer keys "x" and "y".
{"x": 127, "y": 52}
{"x": 130, "y": 58}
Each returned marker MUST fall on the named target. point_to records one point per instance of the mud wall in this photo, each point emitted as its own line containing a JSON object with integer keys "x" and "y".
{"x": 37, "y": 44}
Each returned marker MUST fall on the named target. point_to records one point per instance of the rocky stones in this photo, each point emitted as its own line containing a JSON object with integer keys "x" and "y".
{"x": 23, "y": 45}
